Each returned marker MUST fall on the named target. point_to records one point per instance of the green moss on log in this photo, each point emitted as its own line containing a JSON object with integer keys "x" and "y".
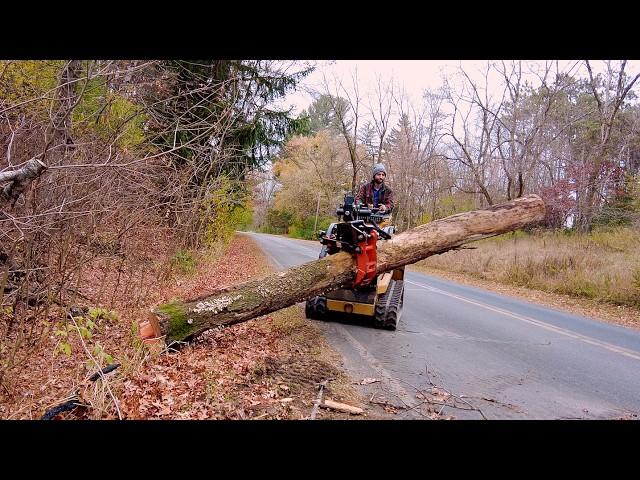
{"x": 179, "y": 329}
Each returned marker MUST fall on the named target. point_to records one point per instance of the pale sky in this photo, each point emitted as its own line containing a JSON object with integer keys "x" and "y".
{"x": 414, "y": 75}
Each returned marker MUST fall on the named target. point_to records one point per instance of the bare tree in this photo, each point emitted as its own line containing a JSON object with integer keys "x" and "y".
{"x": 415, "y": 163}
{"x": 56, "y": 135}
{"x": 520, "y": 138}
{"x": 380, "y": 110}
{"x": 609, "y": 93}
{"x": 347, "y": 111}
{"x": 473, "y": 124}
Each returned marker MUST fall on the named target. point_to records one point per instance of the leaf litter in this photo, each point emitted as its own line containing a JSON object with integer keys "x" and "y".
{"x": 266, "y": 368}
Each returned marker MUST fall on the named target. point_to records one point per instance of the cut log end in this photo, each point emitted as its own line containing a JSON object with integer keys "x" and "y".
{"x": 149, "y": 329}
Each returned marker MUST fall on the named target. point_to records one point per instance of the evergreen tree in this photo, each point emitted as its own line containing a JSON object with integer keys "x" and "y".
{"x": 216, "y": 115}
{"x": 322, "y": 114}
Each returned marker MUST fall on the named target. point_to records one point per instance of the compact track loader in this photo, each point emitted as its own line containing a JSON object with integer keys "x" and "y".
{"x": 374, "y": 299}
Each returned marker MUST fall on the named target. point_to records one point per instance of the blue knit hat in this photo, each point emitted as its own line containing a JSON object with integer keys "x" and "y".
{"x": 377, "y": 168}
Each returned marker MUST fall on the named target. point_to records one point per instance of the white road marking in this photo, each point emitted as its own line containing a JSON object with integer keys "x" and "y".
{"x": 538, "y": 323}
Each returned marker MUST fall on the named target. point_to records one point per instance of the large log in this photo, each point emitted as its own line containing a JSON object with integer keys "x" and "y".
{"x": 183, "y": 320}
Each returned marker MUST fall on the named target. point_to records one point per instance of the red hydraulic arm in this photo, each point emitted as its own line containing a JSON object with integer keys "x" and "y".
{"x": 366, "y": 260}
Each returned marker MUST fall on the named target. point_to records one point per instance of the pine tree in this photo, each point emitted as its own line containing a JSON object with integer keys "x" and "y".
{"x": 217, "y": 115}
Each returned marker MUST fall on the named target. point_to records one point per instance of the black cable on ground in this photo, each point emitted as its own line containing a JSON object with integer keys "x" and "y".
{"x": 64, "y": 407}
{"x": 71, "y": 404}
{"x": 107, "y": 369}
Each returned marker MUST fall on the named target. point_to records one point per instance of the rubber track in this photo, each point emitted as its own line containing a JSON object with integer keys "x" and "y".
{"x": 316, "y": 308}
{"x": 389, "y": 306}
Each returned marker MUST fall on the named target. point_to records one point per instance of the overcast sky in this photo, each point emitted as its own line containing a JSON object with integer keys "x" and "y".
{"x": 414, "y": 75}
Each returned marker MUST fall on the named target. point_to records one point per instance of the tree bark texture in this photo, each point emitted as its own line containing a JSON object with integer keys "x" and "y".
{"x": 183, "y": 320}
{"x": 20, "y": 178}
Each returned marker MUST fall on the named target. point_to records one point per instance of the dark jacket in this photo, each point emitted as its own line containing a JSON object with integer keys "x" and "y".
{"x": 365, "y": 195}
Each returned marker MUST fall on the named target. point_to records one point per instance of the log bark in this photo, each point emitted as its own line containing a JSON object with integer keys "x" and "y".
{"x": 183, "y": 320}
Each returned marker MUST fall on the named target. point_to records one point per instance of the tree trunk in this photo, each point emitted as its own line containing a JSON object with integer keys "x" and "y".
{"x": 181, "y": 321}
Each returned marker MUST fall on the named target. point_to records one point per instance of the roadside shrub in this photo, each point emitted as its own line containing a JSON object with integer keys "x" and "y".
{"x": 303, "y": 227}
{"x": 278, "y": 221}
{"x": 183, "y": 260}
{"x": 224, "y": 210}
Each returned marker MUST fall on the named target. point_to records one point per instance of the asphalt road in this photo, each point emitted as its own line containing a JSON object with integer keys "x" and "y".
{"x": 507, "y": 358}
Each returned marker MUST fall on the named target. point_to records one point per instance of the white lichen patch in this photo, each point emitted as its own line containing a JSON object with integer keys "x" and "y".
{"x": 215, "y": 306}
{"x": 264, "y": 291}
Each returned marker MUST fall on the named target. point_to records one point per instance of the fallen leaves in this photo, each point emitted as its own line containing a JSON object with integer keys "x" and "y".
{"x": 223, "y": 375}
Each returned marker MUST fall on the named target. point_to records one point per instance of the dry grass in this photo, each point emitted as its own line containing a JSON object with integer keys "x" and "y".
{"x": 603, "y": 265}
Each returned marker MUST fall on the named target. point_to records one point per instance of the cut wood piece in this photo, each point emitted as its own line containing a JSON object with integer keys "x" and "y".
{"x": 343, "y": 407}
{"x": 183, "y": 320}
